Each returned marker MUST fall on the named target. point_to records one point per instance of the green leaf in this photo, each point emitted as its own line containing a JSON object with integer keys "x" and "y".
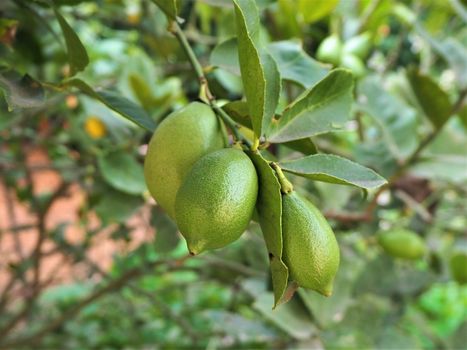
{"x": 316, "y": 10}
{"x": 115, "y": 206}
{"x": 21, "y": 91}
{"x": 225, "y": 56}
{"x": 323, "y": 108}
{"x": 77, "y": 55}
{"x": 431, "y": 98}
{"x": 292, "y": 62}
{"x": 334, "y": 169}
{"x": 305, "y": 146}
{"x": 117, "y": 103}
{"x": 122, "y": 172}
{"x": 169, "y": 7}
{"x": 261, "y": 80}
{"x": 453, "y": 52}
{"x": 167, "y": 237}
{"x": 269, "y": 207}
{"x": 295, "y": 65}
{"x": 395, "y": 118}
{"x": 451, "y": 168}
{"x": 290, "y": 317}
{"x": 238, "y": 111}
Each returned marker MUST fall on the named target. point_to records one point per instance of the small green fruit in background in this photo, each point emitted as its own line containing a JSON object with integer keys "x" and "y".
{"x": 180, "y": 140}
{"x": 458, "y": 266}
{"x": 216, "y": 201}
{"x": 354, "y": 64}
{"x": 358, "y": 46}
{"x": 311, "y": 251}
{"x": 330, "y": 50}
{"x": 401, "y": 243}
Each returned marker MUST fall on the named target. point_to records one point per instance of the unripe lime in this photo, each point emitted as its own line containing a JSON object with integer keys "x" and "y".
{"x": 401, "y": 243}
{"x": 180, "y": 140}
{"x": 458, "y": 266}
{"x": 311, "y": 251}
{"x": 355, "y": 65}
{"x": 330, "y": 50}
{"x": 358, "y": 46}
{"x": 217, "y": 199}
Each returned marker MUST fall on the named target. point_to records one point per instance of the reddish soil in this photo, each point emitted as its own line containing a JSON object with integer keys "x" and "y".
{"x": 57, "y": 266}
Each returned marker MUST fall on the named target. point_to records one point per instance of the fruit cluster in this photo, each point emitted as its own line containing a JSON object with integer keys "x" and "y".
{"x": 349, "y": 55}
{"x": 211, "y": 191}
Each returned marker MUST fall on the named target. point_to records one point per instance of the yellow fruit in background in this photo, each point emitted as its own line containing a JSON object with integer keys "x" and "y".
{"x": 216, "y": 201}
{"x": 95, "y": 127}
{"x": 458, "y": 266}
{"x": 311, "y": 251}
{"x": 179, "y": 141}
{"x": 401, "y": 243}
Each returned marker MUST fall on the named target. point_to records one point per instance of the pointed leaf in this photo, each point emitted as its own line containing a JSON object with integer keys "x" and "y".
{"x": 261, "y": 80}
{"x": 431, "y": 98}
{"x": 323, "y": 108}
{"x": 295, "y": 65}
{"x": 77, "y": 55}
{"x": 334, "y": 169}
{"x": 169, "y": 7}
{"x": 21, "y": 91}
{"x": 117, "y": 103}
{"x": 269, "y": 207}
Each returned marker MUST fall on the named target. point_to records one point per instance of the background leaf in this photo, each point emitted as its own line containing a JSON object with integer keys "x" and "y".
{"x": 431, "y": 98}
{"x": 323, "y": 108}
{"x": 225, "y": 56}
{"x": 333, "y": 169}
{"x": 121, "y": 171}
{"x": 117, "y": 103}
{"x": 21, "y": 91}
{"x": 289, "y": 317}
{"x": 77, "y": 55}
{"x": 167, "y": 236}
{"x": 295, "y": 65}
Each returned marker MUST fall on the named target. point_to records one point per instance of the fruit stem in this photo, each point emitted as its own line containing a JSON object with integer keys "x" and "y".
{"x": 230, "y": 123}
{"x": 255, "y": 145}
{"x": 286, "y": 185}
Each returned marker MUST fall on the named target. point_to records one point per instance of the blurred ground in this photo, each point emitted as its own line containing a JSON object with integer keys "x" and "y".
{"x": 56, "y": 267}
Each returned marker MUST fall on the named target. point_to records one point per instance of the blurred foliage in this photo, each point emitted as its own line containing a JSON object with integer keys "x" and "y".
{"x": 408, "y": 100}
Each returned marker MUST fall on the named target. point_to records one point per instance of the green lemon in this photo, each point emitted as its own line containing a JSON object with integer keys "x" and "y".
{"x": 311, "y": 251}
{"x": 180, "y": 140}
{"x": 401, "y": 243}
{"x": 354, "y": 64}
{"x": 458, "y": 266}
{"x": 216, "y": 200}
{"x": 358, "y": 46}
{"x": 330, "y": 50}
